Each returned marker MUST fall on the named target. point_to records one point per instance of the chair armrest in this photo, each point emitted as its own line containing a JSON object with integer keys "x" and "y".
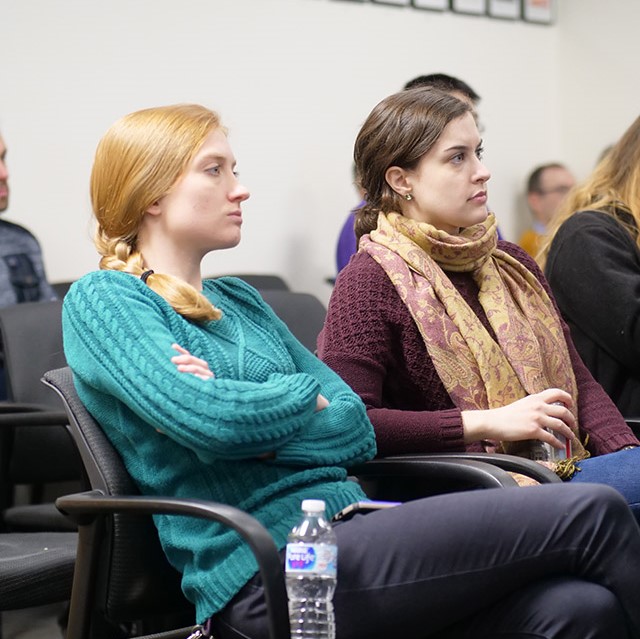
{"x": 405, "y": 478}
{"x": 23, "y": 407}
{"x": 509, "y": 463}
{"x": 634, "y": 424}
{"x": 85, "y": 507}
{"x": 483, "y": 474}
{"x": 16, "y": 415}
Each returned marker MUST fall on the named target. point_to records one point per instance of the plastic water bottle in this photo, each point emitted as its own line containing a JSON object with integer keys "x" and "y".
{"x": 311, "y": 568}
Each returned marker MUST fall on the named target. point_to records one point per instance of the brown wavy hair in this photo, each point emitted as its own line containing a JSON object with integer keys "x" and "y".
{"x": 137, "y": 162}
{"x": 398, "y": 132}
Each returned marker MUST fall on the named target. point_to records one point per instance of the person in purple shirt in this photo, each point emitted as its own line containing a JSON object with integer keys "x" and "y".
{"x": 347, "y": 240}
{"x": 347, "y": 244}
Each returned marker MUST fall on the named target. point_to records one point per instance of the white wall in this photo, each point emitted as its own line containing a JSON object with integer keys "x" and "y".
{"x": 600, "y": 52}
{"x": 293, "y": 80}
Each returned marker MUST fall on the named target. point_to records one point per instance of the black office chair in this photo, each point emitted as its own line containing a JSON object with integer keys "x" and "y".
{"x": 36, "y": 568}
{"x": 122, "y": 576}
{"x": 37, "y": 555}
{"x": 36, "y": 451}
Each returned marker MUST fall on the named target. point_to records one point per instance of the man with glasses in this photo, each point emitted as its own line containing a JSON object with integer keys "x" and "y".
{"x": 547, "y": 186}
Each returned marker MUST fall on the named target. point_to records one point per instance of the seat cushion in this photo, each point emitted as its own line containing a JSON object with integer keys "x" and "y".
{"x": 36, "y": 568}
{"x": 37, "y": 518}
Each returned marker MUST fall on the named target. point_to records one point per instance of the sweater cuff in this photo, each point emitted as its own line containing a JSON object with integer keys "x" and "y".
{"x": 451, "y": 429}
{"x": 614, "y": 442}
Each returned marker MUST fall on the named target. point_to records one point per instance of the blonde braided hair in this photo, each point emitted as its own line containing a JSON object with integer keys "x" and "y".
{"x": 137, "y": 162}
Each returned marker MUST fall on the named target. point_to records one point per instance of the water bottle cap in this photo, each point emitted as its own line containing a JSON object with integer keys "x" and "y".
{"x": 313, "y": 505}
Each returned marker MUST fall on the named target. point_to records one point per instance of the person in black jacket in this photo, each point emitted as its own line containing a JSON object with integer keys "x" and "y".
{"x": 592, "y": 261}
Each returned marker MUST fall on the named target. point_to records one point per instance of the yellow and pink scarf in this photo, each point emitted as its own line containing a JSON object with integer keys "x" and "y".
{"x": 529, "y": 353}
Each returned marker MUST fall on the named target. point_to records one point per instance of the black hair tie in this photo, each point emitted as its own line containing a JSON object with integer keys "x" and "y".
{"x": 145, "y": 276}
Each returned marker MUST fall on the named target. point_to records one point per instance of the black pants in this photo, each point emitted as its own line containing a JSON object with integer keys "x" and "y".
{"x": 553, "y": 561}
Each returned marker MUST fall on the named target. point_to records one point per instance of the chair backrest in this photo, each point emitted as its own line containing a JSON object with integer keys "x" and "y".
{"x": 61, "y": 288}
{"x": 303, "y": 313}
{"x": 31, "y": 336}
{"x": 135, "y": 579}
{"x": 261, "y": 281}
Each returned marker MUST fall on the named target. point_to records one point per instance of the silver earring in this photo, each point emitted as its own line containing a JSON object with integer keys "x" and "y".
{"x": 408, "y": 197}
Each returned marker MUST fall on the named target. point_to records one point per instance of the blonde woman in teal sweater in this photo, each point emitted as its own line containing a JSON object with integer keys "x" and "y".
{"x": 206, "y": 394}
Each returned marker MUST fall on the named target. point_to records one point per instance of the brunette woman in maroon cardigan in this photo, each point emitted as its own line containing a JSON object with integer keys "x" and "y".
{"x": 450, "y": 336}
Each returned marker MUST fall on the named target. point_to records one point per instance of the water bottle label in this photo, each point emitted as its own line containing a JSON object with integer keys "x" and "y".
{"x": 316, "y": 559}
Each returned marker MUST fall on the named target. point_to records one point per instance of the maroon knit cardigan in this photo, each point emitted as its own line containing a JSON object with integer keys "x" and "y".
{"x": 372, "y": 342}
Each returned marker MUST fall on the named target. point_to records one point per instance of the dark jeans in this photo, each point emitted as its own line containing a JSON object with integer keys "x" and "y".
{"x": 559, "y": 561}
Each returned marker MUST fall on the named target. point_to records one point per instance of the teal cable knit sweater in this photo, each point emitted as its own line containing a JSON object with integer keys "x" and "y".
{"x": 183, "y": 436}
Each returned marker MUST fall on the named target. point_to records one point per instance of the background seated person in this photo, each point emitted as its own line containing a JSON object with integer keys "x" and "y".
{"x": 22, "y": 276}
{"x": 547, "y": 187}
{"x": 592, "y": 261}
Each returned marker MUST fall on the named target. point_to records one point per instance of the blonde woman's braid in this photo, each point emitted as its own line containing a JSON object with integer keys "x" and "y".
{"x": 183, "y": 297}
{"x": 137, "y": 162}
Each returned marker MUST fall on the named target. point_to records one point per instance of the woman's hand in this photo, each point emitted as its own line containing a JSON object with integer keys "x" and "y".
{"x": 187, "y": 363}
{"x": 527, "y": 418}
{"x": 321, "y": 403}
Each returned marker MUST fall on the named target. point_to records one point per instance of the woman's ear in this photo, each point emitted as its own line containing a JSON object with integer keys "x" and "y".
{"x": 154, "y": 209}
{"x": 397, "y": 179}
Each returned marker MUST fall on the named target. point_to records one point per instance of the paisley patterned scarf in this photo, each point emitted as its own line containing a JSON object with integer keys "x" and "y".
{"x": 530, "y": 354}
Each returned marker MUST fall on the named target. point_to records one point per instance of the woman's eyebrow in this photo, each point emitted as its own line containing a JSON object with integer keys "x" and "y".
{"x": 220, "y": 159}
{"x": 212, "y": 157}
{"x": 457, "y": 147}
{"x": 462, "y": 147}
